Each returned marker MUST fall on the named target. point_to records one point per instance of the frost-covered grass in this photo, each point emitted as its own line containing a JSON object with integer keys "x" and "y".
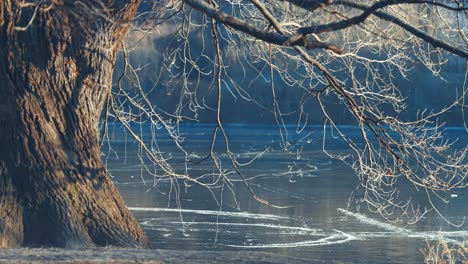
{"x": 124, "y": 255}
{"x": 443, "y": 252}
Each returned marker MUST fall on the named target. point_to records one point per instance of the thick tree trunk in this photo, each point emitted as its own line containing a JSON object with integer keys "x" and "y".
{"x": 55, "y": 78}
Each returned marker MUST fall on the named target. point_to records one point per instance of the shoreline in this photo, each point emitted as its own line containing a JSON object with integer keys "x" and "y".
{"x": 128, "y": 255}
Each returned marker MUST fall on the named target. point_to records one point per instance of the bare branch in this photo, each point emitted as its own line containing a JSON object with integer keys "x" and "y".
{"x": 249, "y": 28}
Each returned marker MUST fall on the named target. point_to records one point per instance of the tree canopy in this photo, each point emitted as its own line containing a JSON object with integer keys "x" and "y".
{"x": 356, "y": 53}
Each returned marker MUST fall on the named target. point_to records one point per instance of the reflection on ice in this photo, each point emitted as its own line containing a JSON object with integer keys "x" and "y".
{"x": 296, "y": 230}
{"x": 450, "y": 236}
{"x": 254, "y": 231}
{"x": 336, "y": 238}
{"x": 210, "y": 212}
{"x": 370, "y": 221}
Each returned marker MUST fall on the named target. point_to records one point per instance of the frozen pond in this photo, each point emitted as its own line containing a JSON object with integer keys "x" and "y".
{"x": 319, "y": 223}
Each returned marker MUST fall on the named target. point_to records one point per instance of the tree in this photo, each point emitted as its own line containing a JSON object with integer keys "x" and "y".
{"x": 56, "y": 75}
{"x": 55, "y": 80}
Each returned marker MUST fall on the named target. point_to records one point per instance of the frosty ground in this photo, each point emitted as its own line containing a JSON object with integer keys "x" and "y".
{"x": 120, "y": 255}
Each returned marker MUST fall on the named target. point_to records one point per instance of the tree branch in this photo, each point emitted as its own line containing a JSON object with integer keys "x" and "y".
{"x": 252, "y": 30}
{"x": 438, "y": 43}
{"x": 374, "y": 10}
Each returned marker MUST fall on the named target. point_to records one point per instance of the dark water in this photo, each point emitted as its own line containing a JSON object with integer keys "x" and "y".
{"x": 320, "y": 223}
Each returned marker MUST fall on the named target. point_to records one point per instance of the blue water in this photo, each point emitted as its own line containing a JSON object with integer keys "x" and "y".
{"x": 320, "y": 221}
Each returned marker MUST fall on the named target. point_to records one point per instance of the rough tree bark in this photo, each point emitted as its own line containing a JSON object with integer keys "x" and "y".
{"x": 55, "y": 78}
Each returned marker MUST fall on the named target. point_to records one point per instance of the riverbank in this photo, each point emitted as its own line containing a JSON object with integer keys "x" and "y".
{"x": 120, "y": 255}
